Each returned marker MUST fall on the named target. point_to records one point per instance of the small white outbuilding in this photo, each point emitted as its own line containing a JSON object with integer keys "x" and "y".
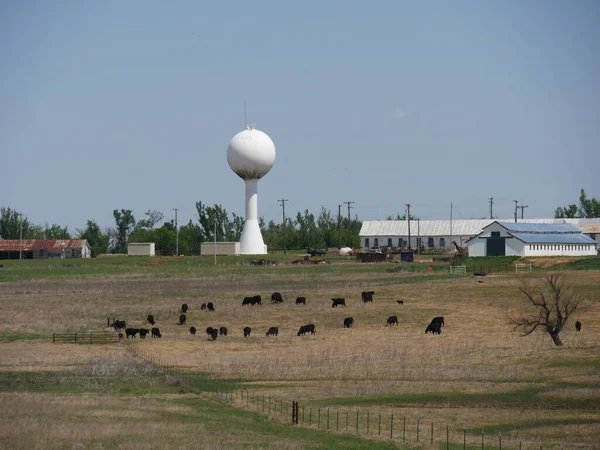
{"x": 531, "y": 239}
{"x": 140, "y": 249}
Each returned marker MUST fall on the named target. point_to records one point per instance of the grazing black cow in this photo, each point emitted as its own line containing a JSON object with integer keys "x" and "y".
{"x": 192, "y": 330}
{"x": 247, "y": 331}
{"x": 156, "y": 333}
{"x": 434, "y": 328}
{"x": 210, "y": 306}
{"x": 367, "y": 296}
{"x": 203, "y": 306}
{"x": 276, "y": 298}
{"x": 578, "y": 325}
{"x": 150, "y": 319}
{"x": 118, "y": 324}
{"x": 348, "y": 322}
{"x": 310, "y": 328}
{"x": 392, "y": 320}
{"x": 439, "y": 320}
{"x": 213, "y": 334}
{"x": 400, "y": 302}
{"x": 273, "y": 331}
{"x": 257, "y": 300}
{"x": 182, "y": 319}
{"x": 335, "y": 302}
{"x": 223, "y": 331}
{"x": 143, "y": 332}
{"x": 131, "y": 332}
{"x": 248, "y": 301}
{"x": 301, "y": 301}
{"x": 184, "y": 308}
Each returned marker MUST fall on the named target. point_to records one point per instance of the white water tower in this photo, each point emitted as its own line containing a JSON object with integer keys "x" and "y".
{"x": 251, "y": 154}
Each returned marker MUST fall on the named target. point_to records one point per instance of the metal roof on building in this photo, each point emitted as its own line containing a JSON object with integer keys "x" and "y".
{"x": 460, "y": 227}
{"x": 554, "y": 238}
{"x": 51, "y": 245}
{"x": 540, "y": 227}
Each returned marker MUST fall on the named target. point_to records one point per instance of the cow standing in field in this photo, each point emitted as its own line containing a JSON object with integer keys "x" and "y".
{"x": 131, "y": 332}
{"x": 210, "y": 306}
{"x": 203, "y": 306}
{"x": 192, "y": 330}
{"x": 118, "y": 324}
{"x": 367, "y": 296}
{"x": 223, "y": 331}
{"x": 335, "y": 302}
{"x": 143, "y": 332}
{"x": 578, "y": 325}
{"x": 150, "y": 319}
{"x": 310, "y": 328}
{"x": 438, "y": 320}
{"x": 276, "y": 298}
{"x": 433, "y": 328}
{"x": 213, "y": 334}
{"x": 257, "y": 300}
{"x": 247, "y": 301}
{"x": 392, "y": 320}
{"x": 156, "y": 333}
{"x": 301, "y": 301}
{"x": 182, "y": 319}
{"x": 348, "y": 322}
{"x": 273, "y": 331}
{"x": 247, "y": 331}
{"x": 184, "y": 308}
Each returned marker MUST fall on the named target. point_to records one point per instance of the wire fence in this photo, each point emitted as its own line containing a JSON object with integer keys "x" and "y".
{"x": 392, "y": 426}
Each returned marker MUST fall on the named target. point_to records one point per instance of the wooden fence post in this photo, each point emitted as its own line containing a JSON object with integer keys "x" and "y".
{"x": 417, "y": 429}
{"x": 367, "y": 422}
{"x": 319, "y": 419}
{"x": 392, "y": 426}
{"x": 404, "y": 430}
{"x": 328, "y": 418}
{"x": 356, "y": 422}
{"x": 432, "y": 432}
{"x": 337, "y": 419}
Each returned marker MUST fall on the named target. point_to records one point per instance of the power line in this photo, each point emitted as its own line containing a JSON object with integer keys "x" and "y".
{"x": 408, "y": 218}
{"x": 349, "y": 207}
{"x": 176, "y": 234}
{"x": 340, "y": 224}
{"x": 522, "y": 207}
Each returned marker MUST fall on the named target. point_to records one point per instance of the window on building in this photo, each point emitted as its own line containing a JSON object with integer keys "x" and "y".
{"x": 419, "y": 243}
{"x": 376, "y": 242}
{"x": 389, "y": 242}
{"x": 430, "y": 242}
{"x": 367, "y": 242}
{"x": 442, "y": 243}
{"x": 495, "y": 234}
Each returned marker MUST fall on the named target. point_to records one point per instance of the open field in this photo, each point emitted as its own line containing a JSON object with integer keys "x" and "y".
{"x": 477, "y": 374}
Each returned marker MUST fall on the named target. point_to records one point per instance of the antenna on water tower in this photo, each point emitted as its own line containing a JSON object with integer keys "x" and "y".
{"x": 245, "y": 117}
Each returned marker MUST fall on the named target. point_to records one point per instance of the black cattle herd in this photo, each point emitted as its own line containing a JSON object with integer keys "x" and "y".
{"x": 434, "y": 327}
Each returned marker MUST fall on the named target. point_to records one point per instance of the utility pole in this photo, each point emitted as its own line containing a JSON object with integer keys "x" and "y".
{"x": 522, "y": 208}
{"x": 516, "y": 207}
{"x": 451, "y": 206}
{"x": 176, "y": 234}
{"x": 21, "y": 236}
{"x": 491, "y": 207}
{"x": 282, "y": 201}
{"x": 340, "y": 224}
{"x": 349, "y": 207}
{"x": 215, "y": 243}
{"x": 408, "y": 218}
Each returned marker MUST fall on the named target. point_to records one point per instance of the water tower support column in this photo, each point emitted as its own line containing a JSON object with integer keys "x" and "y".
{"x": 251, "y": 242}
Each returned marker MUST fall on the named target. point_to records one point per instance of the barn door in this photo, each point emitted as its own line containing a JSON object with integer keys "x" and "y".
{"x": 496, "y": 247}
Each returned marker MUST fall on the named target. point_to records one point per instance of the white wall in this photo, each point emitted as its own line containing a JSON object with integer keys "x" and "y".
{"x": 383, "y": 241}
{"x": 222, "y": 248}
{"x": 477, "y": 247}
{"x": 560, "y": 250}
{"x": 514, "y": 247}
{"x": 140, "y": 249}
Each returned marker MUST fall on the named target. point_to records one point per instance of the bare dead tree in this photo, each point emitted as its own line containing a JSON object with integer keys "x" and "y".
{"x": 550, "y": 304}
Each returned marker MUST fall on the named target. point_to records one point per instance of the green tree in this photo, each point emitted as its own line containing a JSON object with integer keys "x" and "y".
{"x": 98, "y": 241}
{"x": 125, "y": 225}
{"x": 588, "y": 208}
{"x": 55, "y": 232}
{"x": 10, "y": 224}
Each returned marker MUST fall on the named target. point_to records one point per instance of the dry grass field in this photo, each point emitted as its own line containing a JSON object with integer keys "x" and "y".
{"x": 478, "y": 374}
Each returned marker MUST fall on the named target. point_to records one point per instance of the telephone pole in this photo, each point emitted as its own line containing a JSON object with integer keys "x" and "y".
{"x": 20, "y": 235}
{"x": 516, "y": 207}
{"x": 408, "y": 218}
{"x": 349, "y": 207}
{"x": 522, "y": 207}
{"x": 451, "y": 207}
{"x": 176, "y": 234}
{"x": 491, "y": 207}
{"x": 282, "y": 201}
{"x": 340, "y": 224}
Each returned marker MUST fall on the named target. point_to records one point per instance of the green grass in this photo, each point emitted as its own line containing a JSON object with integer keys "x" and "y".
{"x": 12, "y": 337}
{"x": 588, "y": 263}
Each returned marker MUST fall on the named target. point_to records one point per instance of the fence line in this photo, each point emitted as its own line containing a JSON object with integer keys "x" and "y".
{"x": 375, "y": 425}
{"x": 103, "y": 337}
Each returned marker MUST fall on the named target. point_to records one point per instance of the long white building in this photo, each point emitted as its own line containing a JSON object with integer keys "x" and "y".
{"x": 439, "y": 234}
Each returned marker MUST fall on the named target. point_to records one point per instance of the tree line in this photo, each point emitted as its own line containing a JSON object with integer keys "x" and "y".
{"x": 300, "y": 232}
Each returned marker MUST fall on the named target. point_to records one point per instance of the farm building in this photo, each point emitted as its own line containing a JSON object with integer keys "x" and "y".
{"x": 531, "y": 239}
{"x": 439, "y": 234}
{"x": 141, "y": 249}
{"x": 44, "y": 248}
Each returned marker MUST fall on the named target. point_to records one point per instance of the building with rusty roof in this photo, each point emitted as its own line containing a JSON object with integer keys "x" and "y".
{"x": 44, "y": 248}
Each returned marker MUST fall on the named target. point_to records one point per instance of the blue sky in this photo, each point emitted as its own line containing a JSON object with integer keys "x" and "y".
{"x": 116, "y": 104}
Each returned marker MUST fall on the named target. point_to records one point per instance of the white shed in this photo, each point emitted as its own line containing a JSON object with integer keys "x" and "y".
{"x": 531, "y": 239}
{"x": 140, "y": 249}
